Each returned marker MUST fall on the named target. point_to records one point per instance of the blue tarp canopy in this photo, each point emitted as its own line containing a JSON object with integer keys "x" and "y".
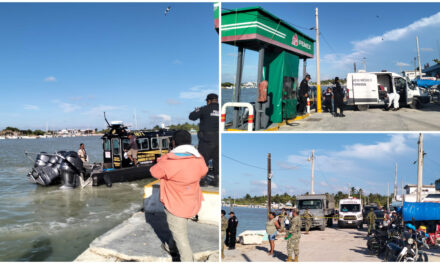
{"x": 421, "y": 211}
{"x": 427, "y": 83}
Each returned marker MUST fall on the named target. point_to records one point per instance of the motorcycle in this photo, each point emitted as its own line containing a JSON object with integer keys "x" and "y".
{"x": 409, "y": 247}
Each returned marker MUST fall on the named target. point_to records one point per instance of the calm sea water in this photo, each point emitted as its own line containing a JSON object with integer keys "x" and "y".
{"x": 249, "y": 218}
{"x": 47, "y": 224}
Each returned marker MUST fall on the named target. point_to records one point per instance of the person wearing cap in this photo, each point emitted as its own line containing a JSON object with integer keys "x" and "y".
{"x": 132, "y": 149}
{"x": 232, "y": 230}
{"x": 338, "y": 98}
{"x": 208, "y": 131}
{"x": 180, "y": 172}
{"x": 303, "y": 94}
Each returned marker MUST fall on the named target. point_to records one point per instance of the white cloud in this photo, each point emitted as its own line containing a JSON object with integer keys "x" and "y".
{"x": 362, "y": 47}
{"x": 50, "y": 79}
{"x": 31, "y": 107}
{"x": 198, "y": 92}
{"x": 427, "y": 49}
{"x": 173, "y": 102}
{"x": 99, "y": 110}
{"x": 177, "y": 61}
{"x": 402, "y": 64}
{"x": 161, "y": 117}
{"x": 263, "y": 183}
{"x": 388, "y": 149}
{"x": 66, "y": 107}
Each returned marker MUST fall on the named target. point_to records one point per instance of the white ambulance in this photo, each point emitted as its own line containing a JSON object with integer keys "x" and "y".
{"x": 350, "y": 213}
{"x": 371, "y": 88}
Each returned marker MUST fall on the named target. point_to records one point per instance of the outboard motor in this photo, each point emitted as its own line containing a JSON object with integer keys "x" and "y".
{"x": 68, "y": 177}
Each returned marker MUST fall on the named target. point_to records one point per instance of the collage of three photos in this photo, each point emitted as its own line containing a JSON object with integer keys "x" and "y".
{"x": 220, "y": 132}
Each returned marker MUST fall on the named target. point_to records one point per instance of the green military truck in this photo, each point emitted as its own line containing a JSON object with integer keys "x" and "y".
{"x": 321, "y": 207}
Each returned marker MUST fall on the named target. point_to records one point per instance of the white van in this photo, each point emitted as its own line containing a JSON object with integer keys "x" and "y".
{"x": 350, "y": 213}
{"x": 364, "y": 89}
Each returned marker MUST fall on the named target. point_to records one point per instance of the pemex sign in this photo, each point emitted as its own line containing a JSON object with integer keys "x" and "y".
{"x": 256, "y": 24}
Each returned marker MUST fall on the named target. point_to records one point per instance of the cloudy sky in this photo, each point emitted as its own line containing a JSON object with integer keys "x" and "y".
{"x": 65, "y": 64}
{"x": 365, "y": 161}
{"x": 383, "y": 33}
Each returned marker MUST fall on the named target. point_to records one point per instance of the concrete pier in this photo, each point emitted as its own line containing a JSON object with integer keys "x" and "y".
{"x": 140, "y": 238}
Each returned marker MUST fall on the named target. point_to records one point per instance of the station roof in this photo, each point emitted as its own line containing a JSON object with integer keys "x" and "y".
{"x": 254, "y": 27}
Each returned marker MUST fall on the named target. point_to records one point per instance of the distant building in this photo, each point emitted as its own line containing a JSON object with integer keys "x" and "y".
{"x": 412, "y": 74}
{"x": 432, "y": 71}
{"x": 429, "y": 193}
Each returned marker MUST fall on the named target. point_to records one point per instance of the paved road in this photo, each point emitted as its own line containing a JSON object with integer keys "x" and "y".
{"x": 374, "y": 119}
{"x": 333, "y": 244}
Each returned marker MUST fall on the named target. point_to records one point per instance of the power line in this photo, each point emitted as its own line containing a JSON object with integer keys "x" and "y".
{"x": 325, "y": 40}
{"x": 253, "y": 166}
{"x": 244, "y": 163}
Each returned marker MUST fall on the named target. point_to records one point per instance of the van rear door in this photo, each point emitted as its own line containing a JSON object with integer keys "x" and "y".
{"x": 364, "y": 88}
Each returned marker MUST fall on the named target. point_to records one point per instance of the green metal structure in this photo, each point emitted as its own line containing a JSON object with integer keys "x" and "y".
{"x": 280, "y": 48}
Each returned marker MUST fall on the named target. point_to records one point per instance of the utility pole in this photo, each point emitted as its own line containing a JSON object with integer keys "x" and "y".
{"x": 318, "y": 78}
{"x": 269, "y": 184}
{"x": 420, "y": 169}
{"x": 354, "y": 66}
{"x": 364, "y": 62}
{"x": 395, "y": 183}
{"x": 312, "y": 182}
{"x": 418, "y": 56}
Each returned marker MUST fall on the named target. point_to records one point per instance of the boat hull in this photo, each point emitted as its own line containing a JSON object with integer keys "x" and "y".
{"x": 121, "y": 175}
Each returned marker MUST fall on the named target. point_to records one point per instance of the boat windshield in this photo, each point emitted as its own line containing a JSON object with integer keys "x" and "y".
{"x": 350, "y": 208}
{"x": 310, "y": 204}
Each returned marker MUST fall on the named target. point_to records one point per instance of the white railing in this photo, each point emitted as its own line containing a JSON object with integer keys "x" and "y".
{"x": 241, "y": 105}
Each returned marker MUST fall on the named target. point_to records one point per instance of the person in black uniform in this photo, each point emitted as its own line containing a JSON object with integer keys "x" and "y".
{"x": 328, "y": 97}
{"x": 303, "y": 94}
{"x": 232, "y": 230}
{"x": 208, "y": 131}
{"x": 339, "y": 98}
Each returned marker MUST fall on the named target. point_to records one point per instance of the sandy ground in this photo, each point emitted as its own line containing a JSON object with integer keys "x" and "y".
{"x": 333, "y": 244}
{"x": 374, "y": 119}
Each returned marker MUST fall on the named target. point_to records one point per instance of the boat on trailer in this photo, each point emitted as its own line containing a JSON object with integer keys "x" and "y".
{"x": 65, "y": 168}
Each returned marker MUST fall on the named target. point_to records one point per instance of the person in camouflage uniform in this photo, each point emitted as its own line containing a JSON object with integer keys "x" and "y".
{"x": 308, "y": 219}
{"x": 224, "y": 226}
{"x": 371, "y": 221}
{"x": 295, "y": 234}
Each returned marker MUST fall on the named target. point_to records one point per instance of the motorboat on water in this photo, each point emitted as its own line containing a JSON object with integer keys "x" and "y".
{"x": 65, "y": 168}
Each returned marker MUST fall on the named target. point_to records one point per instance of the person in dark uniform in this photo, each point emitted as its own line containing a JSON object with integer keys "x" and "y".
{"x": 208, "y": 131}
{"x": 232, "y": 230}
{"x": 328, "y": 97}
{"x": 303, "y": 94}
{"x": 339, "y": 98}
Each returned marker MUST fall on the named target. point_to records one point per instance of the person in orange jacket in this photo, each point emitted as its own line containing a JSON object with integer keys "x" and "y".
{"x": 180, "y": 172}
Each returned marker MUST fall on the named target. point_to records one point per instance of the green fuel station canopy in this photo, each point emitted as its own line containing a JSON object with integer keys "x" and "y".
{"x": 254, "y": 27}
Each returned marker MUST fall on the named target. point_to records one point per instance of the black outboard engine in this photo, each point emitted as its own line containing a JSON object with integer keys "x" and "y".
{"x": 70, "y": 170}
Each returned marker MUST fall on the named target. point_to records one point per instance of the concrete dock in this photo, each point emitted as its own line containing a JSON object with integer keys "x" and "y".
{"x": 140, "y": 238}
{"x": 374, "y": 119}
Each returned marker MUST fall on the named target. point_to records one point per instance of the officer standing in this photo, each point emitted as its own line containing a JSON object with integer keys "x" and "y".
{"x": 339, "y": 98}
{"x": 232, "y": 230}
{"x": 295, "y": 234}
{"x": 371, "y": 221}
{"x": 328, "y": 97}
{"x": 224, "y": 227}
{"x": 303, "y": 94}
{"x": 308, "y": 219}
{"x": 208, "y": 131}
